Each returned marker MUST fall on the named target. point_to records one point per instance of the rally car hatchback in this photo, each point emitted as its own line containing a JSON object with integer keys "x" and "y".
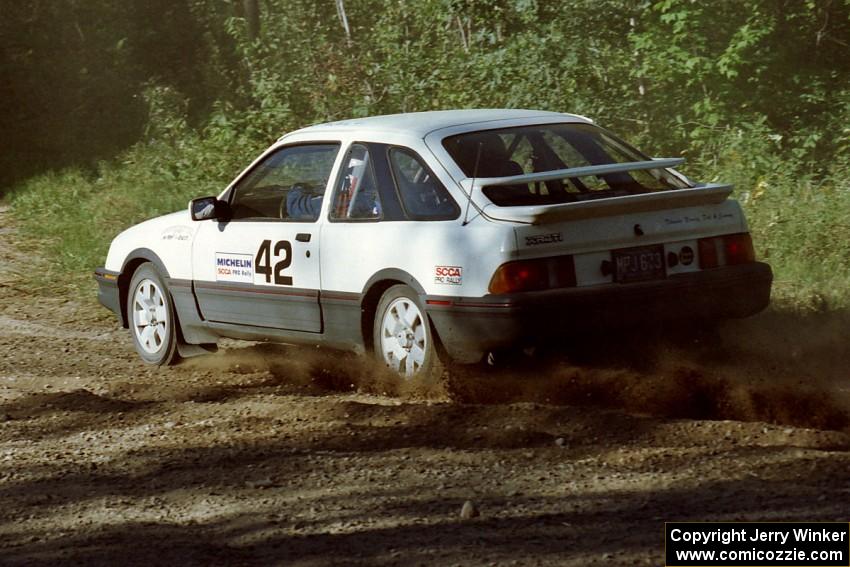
{"x": 435, "y": 234}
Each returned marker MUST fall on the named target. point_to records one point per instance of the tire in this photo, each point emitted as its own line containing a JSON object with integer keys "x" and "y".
{"x": 402, "y": 335}
{"x": 150, "y": 316}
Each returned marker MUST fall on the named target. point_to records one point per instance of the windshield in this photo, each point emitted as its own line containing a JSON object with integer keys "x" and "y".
{"x": 549, "y": 147}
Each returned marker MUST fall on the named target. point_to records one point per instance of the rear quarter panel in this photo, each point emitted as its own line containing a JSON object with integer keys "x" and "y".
{"x": 444, "y": 257}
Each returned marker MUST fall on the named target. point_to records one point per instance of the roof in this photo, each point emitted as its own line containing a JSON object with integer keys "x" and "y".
{"x": 422, "y": 123}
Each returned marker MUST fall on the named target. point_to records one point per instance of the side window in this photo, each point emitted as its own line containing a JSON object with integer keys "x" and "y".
{"x": 356, "y": 194}
{"x": 288, "y": 185}
{"x": 422, "y": 195}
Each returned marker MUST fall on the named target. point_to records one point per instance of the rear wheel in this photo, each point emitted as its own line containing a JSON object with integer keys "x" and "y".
{"x": 403, "y": 339}
{"x": 150, "y": 314}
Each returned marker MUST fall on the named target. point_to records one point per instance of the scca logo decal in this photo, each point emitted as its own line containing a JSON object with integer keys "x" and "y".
{"x": 450, "y": 275}
{"x": 449, "y": 271}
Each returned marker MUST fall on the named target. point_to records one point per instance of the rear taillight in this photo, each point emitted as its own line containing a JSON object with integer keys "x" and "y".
{"x": 534, "y": 275}
{"x": 739, "y": 249}
{"x": 729, "y": 250}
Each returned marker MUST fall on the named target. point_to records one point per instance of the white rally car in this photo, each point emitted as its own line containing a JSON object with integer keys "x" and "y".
{"x": 435, "y": 234}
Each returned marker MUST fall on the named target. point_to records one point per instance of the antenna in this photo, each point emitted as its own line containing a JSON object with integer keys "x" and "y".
{"x": 472, "y": 185}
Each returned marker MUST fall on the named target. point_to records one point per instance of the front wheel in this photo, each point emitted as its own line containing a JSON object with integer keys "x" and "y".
{"x": 402, "y": 335}
{"x": 151, "y": 317}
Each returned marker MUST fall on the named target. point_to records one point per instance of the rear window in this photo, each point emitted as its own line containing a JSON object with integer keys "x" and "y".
{"x": 550, "y": 147}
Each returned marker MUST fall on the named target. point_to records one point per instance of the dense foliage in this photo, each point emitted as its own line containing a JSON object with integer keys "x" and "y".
{"x": 756, "y": 92}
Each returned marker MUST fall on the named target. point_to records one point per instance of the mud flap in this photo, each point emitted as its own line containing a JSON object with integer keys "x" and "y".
{"x": 188, "y": 351}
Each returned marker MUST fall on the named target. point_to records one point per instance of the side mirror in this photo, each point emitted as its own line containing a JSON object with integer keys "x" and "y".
{"x": 205, "y": 208}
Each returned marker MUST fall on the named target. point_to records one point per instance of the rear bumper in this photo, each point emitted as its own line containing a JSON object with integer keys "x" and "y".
{"x": 469, "y": 327}
{"x": 108, "y": 294}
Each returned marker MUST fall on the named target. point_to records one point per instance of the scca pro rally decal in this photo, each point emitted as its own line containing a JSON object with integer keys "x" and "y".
{"x": 449, "y": 275}
{"x": 234, "y": 267}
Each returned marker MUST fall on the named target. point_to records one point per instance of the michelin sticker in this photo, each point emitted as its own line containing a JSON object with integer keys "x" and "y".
{"x": 234, "y": 268}
{"x": 448, "y": 275}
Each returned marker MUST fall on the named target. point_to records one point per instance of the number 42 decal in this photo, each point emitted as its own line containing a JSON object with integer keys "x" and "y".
{"x": 263, "y": 261}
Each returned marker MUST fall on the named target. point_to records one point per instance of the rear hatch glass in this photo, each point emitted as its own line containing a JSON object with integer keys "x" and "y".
{"x": 551, "y": 147}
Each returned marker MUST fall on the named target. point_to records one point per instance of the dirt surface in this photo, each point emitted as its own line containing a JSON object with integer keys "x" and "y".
{"x": 265, "y": 454}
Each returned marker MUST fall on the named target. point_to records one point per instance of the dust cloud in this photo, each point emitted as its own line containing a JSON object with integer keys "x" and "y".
{"x": 307, "y": 370}
{"x": 781, "y": 368}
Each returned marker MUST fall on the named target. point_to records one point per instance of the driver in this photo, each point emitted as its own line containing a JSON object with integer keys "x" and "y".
{"x": 303, "y": 203}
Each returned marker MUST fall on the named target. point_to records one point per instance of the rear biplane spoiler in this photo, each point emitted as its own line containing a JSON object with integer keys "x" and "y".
{"x": 540, "y": 214}
{"x": 583, "y": 171}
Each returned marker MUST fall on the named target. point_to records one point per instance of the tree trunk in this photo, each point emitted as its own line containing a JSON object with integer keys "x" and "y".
{"x": 251, "y": 9}
{"x": 343, "y": 19}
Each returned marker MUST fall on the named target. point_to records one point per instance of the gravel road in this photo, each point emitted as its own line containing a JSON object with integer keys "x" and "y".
{"x": 267, "y": 454}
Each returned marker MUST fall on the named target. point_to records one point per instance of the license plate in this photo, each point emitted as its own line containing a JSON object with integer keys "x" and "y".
{"x": 639, "y": 264}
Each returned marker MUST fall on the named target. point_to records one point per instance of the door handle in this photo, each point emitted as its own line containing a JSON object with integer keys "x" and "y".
{"x": 303, "y": 237}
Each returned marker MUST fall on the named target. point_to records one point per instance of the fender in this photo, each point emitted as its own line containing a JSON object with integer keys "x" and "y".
{"x": 392, "y": 274}
{"x": 144, "y": 254}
